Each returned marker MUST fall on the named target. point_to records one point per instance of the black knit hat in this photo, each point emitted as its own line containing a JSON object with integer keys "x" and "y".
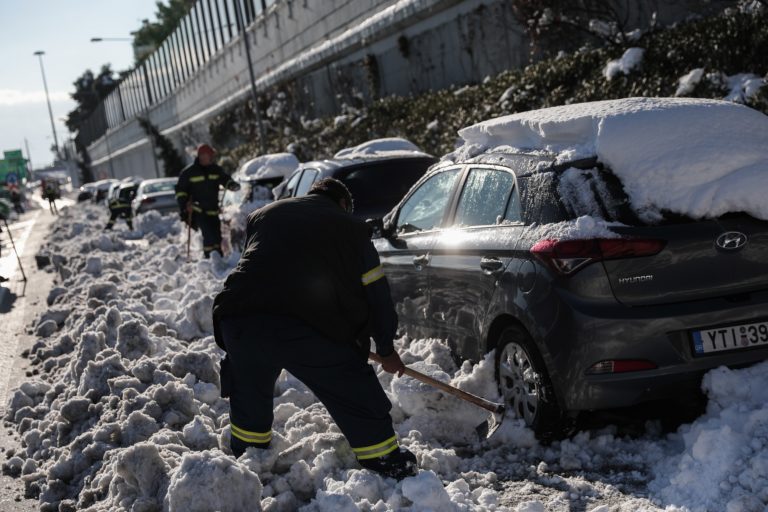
{"x": 334, "y": 189}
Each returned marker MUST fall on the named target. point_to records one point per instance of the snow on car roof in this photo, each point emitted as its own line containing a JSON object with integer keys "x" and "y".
{"x": 273, "y": 165}
{"x": 697, "y": 157}
{"x": 382, "y": 148}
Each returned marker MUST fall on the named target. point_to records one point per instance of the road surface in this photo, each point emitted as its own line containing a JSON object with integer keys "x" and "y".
{"x": 20, "y": 302}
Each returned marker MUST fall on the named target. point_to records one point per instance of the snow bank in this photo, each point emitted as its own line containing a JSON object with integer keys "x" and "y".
{"x": 701, "y": 158}
{"x": 125, "y": 413}
{"x": 274, "y": 165}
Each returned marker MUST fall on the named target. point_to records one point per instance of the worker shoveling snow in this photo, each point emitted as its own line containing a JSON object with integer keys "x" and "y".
{"x": 126, "y": 414}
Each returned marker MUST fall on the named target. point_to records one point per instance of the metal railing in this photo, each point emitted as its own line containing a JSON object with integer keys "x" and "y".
{"x": 202, "y": 32}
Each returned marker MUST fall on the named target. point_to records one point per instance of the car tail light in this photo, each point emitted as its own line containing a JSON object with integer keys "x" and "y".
{"x": 568, "y": 256}
{"x": 620, "y": 366}
{"x": 148, "y": 200}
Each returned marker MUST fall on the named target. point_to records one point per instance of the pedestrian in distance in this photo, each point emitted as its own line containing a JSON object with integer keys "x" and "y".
{"x": 51, "y": 192}
{"x": 197, "y": 194}
{"x": 306, "y": 296}
{"x": 16, "y": 198}
{"x": 120, "y": 206}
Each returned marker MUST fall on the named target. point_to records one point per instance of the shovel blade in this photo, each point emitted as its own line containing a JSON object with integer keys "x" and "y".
{"x": 487, "y": 428}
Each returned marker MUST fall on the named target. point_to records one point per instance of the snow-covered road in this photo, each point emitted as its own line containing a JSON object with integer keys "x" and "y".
{"x": 126, "y": 413}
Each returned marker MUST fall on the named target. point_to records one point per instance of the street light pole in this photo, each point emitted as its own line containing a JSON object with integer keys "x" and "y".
{"x": 40, "y": 54}
{"x": 254, "y": 93}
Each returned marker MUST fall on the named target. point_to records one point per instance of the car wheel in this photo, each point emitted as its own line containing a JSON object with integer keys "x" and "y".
{"x": 525, "y": 385}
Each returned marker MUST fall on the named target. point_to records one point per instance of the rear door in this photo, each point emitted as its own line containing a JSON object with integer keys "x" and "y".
{"x": 405, "y": 256}
{"x": 469, "y": 257}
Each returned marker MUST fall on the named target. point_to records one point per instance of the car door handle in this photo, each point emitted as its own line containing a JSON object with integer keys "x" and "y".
{"x": 491, "y": 265}
{"x": 420, "y": 261}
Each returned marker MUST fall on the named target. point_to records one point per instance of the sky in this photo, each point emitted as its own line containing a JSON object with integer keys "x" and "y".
{"x": 63, "y": 30}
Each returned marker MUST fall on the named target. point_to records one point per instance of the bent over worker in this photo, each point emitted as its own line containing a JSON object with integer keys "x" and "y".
{"x": 197, "y": 193}
{"x": 306, "y": 296}
{"x": 120, "y": 206}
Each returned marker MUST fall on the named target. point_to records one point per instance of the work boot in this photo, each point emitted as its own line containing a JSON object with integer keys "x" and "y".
{"x": 398, "y": 464}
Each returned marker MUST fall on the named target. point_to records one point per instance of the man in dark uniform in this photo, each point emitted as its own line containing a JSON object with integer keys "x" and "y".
{"x": 197, "y": 193}
{"x": 120, "y": 206}
{"x": 306, "y": 296}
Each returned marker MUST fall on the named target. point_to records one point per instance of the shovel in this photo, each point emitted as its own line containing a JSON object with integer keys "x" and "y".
{"x": 485, "y": 429}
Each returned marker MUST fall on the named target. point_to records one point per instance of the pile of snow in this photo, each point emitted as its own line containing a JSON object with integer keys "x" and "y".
{"x": 701, "y": 158}
{"x": 382, "y": 148}
{"x": 125, "y": 413}
{"x": 273, "y": 165}
{"x": 631, "y": 59}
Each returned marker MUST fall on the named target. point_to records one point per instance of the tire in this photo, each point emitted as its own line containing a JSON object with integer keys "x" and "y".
{"x": 525, "y": 385}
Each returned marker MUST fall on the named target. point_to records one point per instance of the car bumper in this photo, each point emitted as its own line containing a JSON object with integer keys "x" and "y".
{"x": 660, "y": 334}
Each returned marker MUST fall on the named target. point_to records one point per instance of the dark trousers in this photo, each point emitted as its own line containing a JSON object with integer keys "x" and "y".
{"x": 117, "y": 213}
{"x": 210, "y": 228}
{"x": 260, "y": 346}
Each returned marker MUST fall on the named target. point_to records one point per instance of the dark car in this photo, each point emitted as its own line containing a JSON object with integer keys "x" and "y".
{"x": 86, "y": 192}
{"x": 635, "y": 311}
{"x": 102, "y": 188}
{"x": 377, "y": 179}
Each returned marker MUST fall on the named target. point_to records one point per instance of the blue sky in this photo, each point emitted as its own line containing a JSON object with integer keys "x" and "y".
{"x": 63, "y": 30}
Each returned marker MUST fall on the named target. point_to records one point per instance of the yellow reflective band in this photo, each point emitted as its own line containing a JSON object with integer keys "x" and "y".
{"x": 373, "y": 275}
{"x": 197, "y": 208}
{"x": 196, "y": 179}
{"x": 213, "y": 176}
{"x": 376, "y": 450}
{"x": 181, "y": 194}
{"x": 251, "y": 437}
{"x": 212, "y": 212}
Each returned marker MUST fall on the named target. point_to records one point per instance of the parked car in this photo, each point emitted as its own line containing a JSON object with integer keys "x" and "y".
{"x": 573, "y": 241}
{"x": 257, "y": 178}
{"x": 86, "y": 192}
{"x": 102, "y": 189}
{"x": 378, "y": 173}
{"x": 156, "y": 194}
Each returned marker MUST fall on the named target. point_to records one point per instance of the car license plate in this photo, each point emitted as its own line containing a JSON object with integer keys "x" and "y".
{"x": 730, "y": 338}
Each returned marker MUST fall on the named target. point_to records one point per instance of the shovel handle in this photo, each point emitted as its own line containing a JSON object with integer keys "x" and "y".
{"x": 426, "y": 379}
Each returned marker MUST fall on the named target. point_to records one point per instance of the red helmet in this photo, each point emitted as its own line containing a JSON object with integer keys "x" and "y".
{"x": 205, "y": 148}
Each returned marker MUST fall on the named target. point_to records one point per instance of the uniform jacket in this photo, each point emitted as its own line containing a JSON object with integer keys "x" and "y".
{"x": 200, "y": 184}
{"x": 304, "y": 258}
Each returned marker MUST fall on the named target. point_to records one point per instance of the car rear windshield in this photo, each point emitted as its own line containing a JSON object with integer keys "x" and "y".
{"x": 162, "y": 186}
{"x": 380, "y": 185}
{"x": 597, "y": 192}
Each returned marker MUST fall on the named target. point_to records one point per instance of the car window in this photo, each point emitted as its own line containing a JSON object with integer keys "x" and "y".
{"x": 513, "y": 213}
{"x": 161, "y": 186}
{"x": 290, "y": 187}
{"x": 484, "y": 197}
{"x": 424, "y": 209}
{"x": 307, "y": 179}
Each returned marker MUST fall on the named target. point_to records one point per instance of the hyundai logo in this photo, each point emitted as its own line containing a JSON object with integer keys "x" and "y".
{"x": 731, "y": 241}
